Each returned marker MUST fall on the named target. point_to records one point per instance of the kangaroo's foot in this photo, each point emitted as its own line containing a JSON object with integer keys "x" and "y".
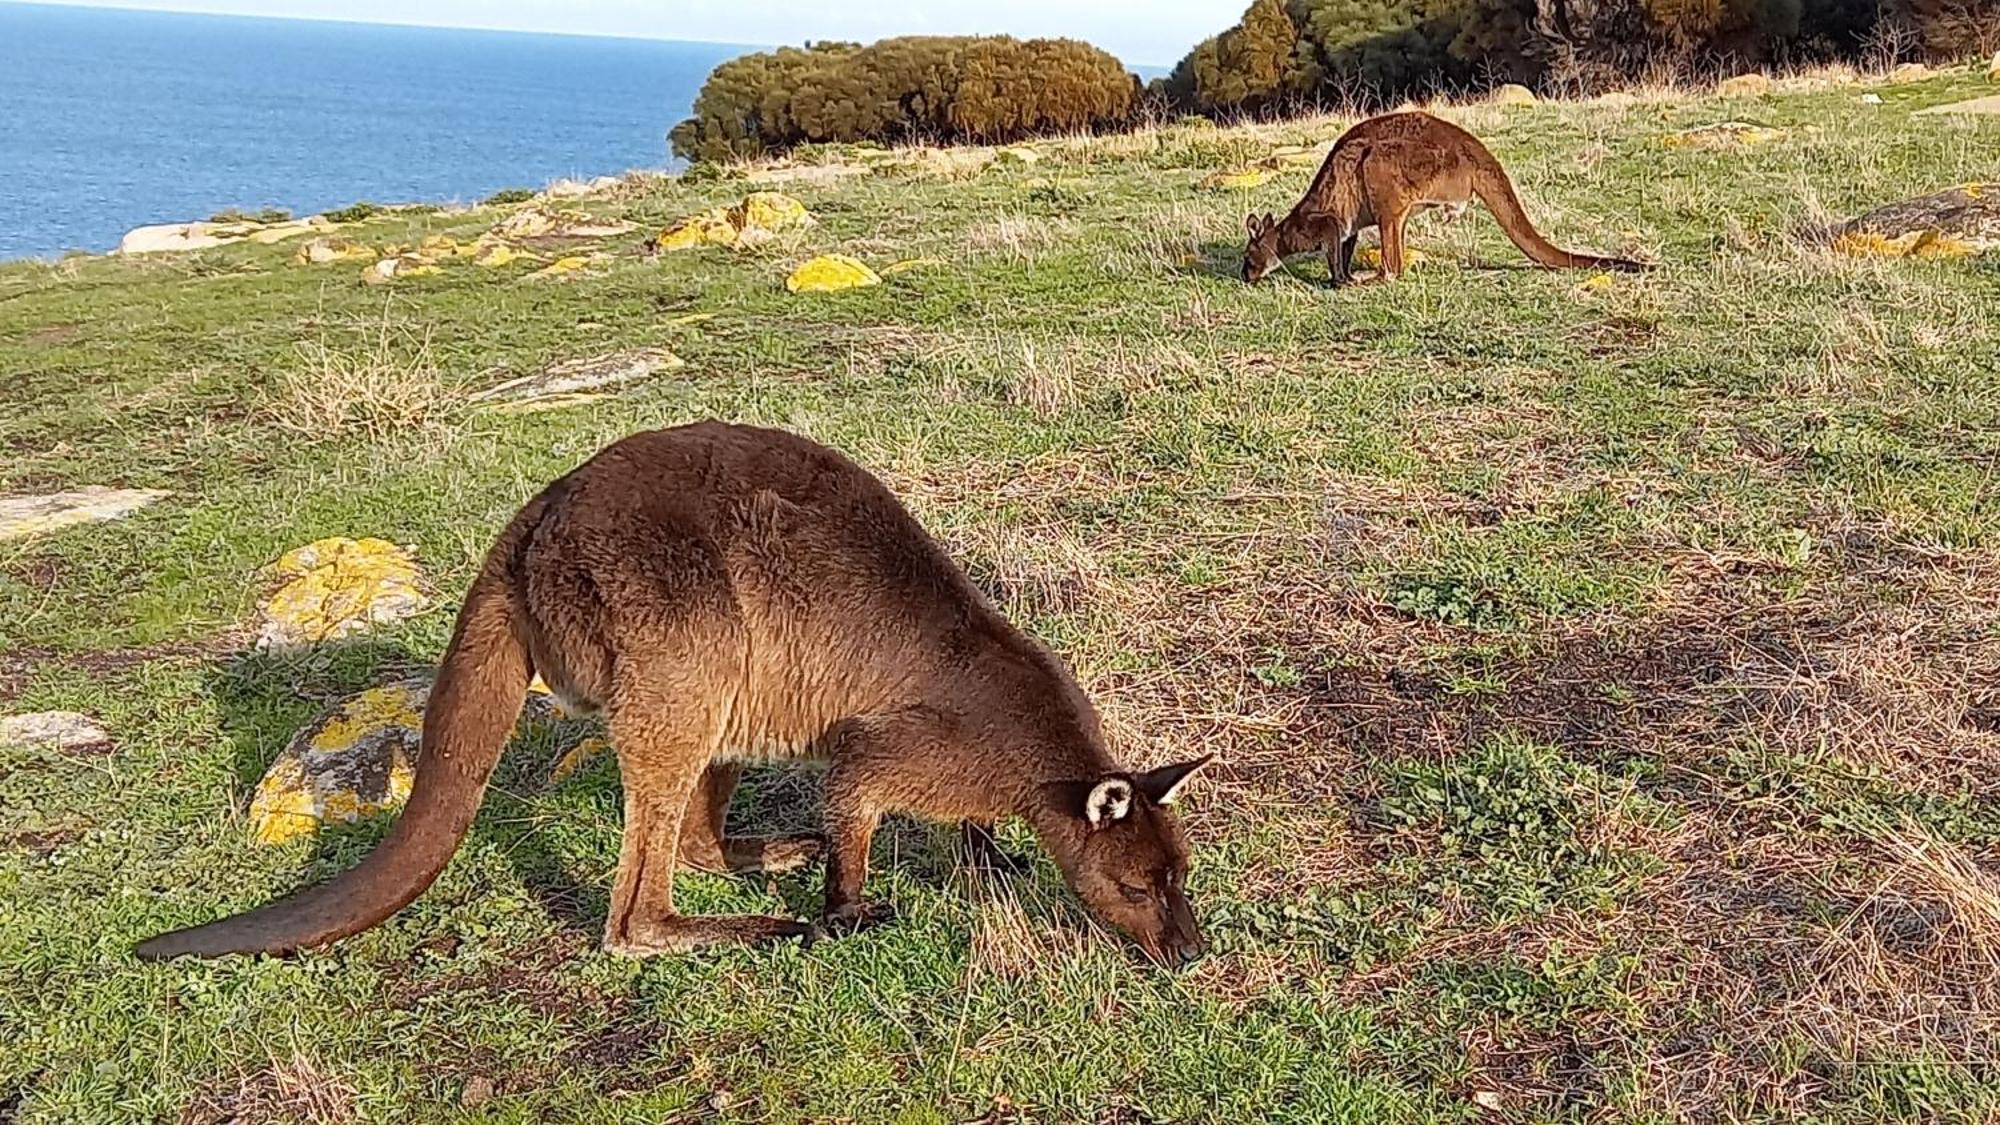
{"x": 853, "y": 917}
{"x": 740, "y": 855}
{"x": 682, "y": 934}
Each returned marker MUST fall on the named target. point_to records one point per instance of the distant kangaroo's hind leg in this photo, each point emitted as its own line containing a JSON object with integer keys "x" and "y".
{"x": 705, "y": 846}
{"x": 666, "y": 729}
{"x": 979, "y": 850}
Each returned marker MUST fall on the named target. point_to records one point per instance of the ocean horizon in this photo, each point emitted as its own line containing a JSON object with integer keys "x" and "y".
{"x": 122, "y": 118}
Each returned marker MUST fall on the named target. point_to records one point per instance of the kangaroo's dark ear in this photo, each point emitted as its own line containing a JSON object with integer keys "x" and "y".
{"x": 1270, "y": 220}
{"x": 1250, "y": 224}
{"x": 1163, "y": 785}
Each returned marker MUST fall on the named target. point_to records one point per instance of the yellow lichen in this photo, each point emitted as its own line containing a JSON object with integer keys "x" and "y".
{"x": 1370, "y": 257}
{"x": 1913, "y": 244}
{"x": 564, "y": 267}
{"x": 371, "y": 710}
{"x": 336, "y": 587}
{"x": 323, "y": 250}
{"x": 769, "y": 210}
{"x": 830, "y": 272}
{"x": 710, "y": 228}
{"x": 498, "y": 254}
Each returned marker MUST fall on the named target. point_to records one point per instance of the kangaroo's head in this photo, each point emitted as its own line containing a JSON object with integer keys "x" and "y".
{"x": 1121, "y": 848}
{"x": 1261, "y": 256}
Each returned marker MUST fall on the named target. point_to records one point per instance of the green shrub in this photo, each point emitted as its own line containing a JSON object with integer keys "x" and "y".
{"x": 508, "y": 195}
{"x": 941, "y": 88}
{"x": 355, "y": 212}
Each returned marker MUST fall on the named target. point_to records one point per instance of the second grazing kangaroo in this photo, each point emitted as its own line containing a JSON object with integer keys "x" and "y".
{"x": 727, "y": 593}
{"x": 1381, "y": 172}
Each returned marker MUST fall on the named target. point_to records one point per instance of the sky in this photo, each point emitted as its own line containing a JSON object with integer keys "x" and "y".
{"x": 1142, "y": 32}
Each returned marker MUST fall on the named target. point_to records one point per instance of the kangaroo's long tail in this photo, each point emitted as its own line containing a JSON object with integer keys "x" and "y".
{"x": 478, "y": 694}
{"x": 1490, "y": 183}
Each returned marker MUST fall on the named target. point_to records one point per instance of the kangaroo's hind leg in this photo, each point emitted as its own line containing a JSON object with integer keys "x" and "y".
{"x": 704, "y": 845}
{"x": 666, "y": 725}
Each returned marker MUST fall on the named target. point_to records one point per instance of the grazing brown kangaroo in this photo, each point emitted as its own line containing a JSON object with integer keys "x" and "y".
{"x": 1381, "y": 172}
{"x": 727, "y": 594}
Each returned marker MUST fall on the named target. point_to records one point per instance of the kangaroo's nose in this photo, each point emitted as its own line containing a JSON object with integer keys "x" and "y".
{"x": 1191, "y": 950}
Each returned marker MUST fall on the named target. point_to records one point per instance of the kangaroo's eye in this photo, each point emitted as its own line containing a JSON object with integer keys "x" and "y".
{"x": 1134, "y": 894}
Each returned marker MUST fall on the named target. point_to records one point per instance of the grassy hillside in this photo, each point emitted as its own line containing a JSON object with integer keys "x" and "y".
{"x": 1604, "y": 673}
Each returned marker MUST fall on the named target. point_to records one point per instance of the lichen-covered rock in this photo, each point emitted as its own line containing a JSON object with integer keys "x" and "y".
{"x": 568, "y": 266}
{"x": 22, "y": 516}
{"x": 324, "y": 249}
{"x": 908, "y": 264}
{"x": 543, "y": 222}
{"x": 1513, "y": 93}
{"x": 398, "y": 268}
{"x": 769, "y": 210}
{"x": 830, "y": 272}
{"x": 1750, "y": 85}
{"x": 493, "y": 255}
{"x": 750, "y": 221}
{"x": 1946, "y": 224}
{"x": 710, "y": 228}
{"x": 1238, "y": 179}
{"x": 66, "y": 732}
{"x": 1723, "y": 135}
{"x": 1370, "y": 257}
{"x": 358, "y": 759}
{"x": 577, "y": 757}
{"x": 572, "y": 375}
{"x": 338, "y": 587}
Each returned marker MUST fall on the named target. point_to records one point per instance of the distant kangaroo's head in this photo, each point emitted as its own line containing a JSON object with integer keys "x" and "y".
{"x": 1261, "y": 256}
{"x": 1121, "y": 848}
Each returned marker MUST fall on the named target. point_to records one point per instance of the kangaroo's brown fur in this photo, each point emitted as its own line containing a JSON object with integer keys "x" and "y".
{"x": 728, "y": 594}
{"x": 1381, "y": 172}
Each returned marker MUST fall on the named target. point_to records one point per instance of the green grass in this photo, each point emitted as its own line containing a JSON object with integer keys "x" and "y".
{"x": 1602, "y": 679}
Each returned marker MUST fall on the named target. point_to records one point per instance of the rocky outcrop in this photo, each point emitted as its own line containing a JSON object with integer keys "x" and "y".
{"x": 1952, "y": 223}
{"x": 829, "y": 273}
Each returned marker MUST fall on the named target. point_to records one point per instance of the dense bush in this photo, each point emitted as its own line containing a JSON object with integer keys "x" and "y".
{"x": 983, "y": 88}
{"x": 1286, "y": 51}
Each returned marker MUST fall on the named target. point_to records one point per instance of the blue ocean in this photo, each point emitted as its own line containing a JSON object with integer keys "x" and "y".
{"x": 114, "y": 119}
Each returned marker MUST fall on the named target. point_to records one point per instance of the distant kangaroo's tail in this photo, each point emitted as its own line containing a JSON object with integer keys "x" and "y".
{"x": 472, "y": 708}
{"x": 1495, "y": 190}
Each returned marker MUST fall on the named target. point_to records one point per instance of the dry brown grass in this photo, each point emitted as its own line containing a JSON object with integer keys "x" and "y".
{"x": 295, "y": 1091}
{"x": 384, "y": 385}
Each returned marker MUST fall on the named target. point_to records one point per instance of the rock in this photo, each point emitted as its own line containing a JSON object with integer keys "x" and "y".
{"x": 611, "y": 370}
{"x": 1240, "y": 178}
{"x": 830, "y": 272}
{"x": 356, "y": 759}
{"x": 279, "y": 232}
{"x": 1989, "y": 104}
{"x": 1723, "y": 135}
{"x": 338, "y": 587}
{"x": 65, "y": 732}
{"x": 1993, "y": 68}
{"x": 1871, "y": 99}
{"x": 1744, "y": 86}
{"x": 323, "y": 250}
{"x": 35, "y": 515}
{"x": 1513, "y": 93}
{"x": 496, "y": 254}
{"x": 769, "y": 210}
{"x": 540, "y": 222}
{"x": 710, "y": 228}
{"x": 400, "y": 267}
{"x": 1910, "y": 72}
{"x": 567, "y": 267}
{"x": 746, "y": 224}
{"x": 172, "y": 238}
{"x": 1948, "y": 224}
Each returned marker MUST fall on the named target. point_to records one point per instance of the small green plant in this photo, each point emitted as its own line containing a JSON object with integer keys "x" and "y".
{"x": 508, "y": 195}
{"x": 267, "y": 215}
{"x": 1515, "y": 825}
